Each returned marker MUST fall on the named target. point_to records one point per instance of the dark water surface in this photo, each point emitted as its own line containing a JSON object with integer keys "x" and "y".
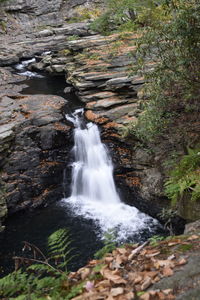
{"x": 52, "y": 85}
{"x": 35, "y": 228}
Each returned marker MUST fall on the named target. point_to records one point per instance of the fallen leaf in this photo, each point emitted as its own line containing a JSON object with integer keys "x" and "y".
{"x": 110, "y": 297}
{"x": 153, "y": 293}
{"x": 167, "y": 271}
{"x": 116, "y": 291}
{"x": 143, "y": 252}
{"x": 156, "y": 279}
{"x": 119, "y": 259}
{"x": 111, "y": 275}
{"x": 167, "y": 291}
{"x": 84, "y": 273}
{"x": 146, "y": 283}
{"x": 94, "y": 262}
{"x": 108, "y": 259}
{"x": 193, "y": 237}
{"x": 129, "y": 296}
{"x": 122, "y": 251}
{"x": 103, "y": 283}
{"x": 153, "y": 254}
{"x": 171, "y": 257}
{"x": 161, "y": 296}
{"x": 145, "y": 296}
{"x": 138, "y": 279}
{"x": 163, "y": 263}
{"x": 182, "y": 261}
{"x": 152, "y": 274}
{"x": 132, "y": 276}
{"x": 172, "y": 244}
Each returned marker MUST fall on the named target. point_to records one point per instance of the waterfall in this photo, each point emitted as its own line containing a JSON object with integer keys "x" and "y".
{"x": 92, "y": 176}
{"x": 93, "y": 191}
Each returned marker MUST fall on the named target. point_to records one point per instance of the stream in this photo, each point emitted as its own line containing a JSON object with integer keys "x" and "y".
{"x": 94, "y": 206}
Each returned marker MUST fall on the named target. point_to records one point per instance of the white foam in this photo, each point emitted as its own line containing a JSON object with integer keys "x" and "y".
{"x": 125, "y": 219}
{"x": 30, "y": 74}
{"x": 22, "y": 67}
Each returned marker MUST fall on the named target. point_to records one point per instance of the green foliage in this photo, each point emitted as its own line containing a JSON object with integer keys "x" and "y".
{"x": 84, "y": 13}
{"x": 167, "y": 215}
{"x": 41, "y": 280}
{"x": 74, "y": 291}
{"x": 59, "y": 248}
{"x": 3, "y": 25}
{"x": 185, "y": 178}
{"x": 73, "y": 37}
{"x": 184, "y": 248}
{"x": 128, "y": 15}
{"x": 155, "y": 239}
{"x": 109, "y": 243}
{"x": 171, "y": 47}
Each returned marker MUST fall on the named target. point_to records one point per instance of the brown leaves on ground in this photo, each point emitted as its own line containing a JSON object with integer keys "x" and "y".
{"x": 128, "y": 273}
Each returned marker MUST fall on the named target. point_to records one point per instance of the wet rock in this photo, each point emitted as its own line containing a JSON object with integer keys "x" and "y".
{"x": 68, "y": 90}
{"x": 38, "y": 143}
{"x": 106, "y": 103}
{"x": 187, "y": 280}
{"x": 58, "y": 68}
{"x": 45, "y": 33}
{"x": 192, "y": 227}
{"x": 188, "y": 209}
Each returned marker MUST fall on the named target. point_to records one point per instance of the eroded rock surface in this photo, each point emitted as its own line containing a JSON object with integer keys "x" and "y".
{"x": 34, "y": 147}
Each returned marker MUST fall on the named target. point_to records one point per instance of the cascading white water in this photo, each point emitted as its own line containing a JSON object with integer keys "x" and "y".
{"x": 94, "y": 195}
{"x": 92, "y": 170}
{"x": 22, "y": 68}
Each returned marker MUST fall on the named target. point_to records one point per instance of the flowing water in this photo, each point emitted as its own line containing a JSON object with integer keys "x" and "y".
{"x": 21, "y": 68}
{"x": 94, "y": 206}
{"x": 94, "y": 194}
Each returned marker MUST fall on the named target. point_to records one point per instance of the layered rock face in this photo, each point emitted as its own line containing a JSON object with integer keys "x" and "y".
{"x": 35, "y": 147}
{"x": 29, "y": 15}
{"x": 100, "y": 70}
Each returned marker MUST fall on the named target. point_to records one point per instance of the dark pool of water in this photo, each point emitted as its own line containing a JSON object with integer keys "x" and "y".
{"x": 35, "y": 228}
{"x": 52, "y": 85}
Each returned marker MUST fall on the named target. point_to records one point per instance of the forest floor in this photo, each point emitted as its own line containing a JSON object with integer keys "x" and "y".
{"x": 168, "y": 269}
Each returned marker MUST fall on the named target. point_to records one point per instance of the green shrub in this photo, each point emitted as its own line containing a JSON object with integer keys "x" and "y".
{"x": 185, "y": 178}
{"x": 171, "y": 46}
{"x": 128, "y": 15}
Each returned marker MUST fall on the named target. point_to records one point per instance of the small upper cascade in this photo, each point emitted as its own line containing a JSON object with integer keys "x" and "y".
{"x": 21, "y": 68}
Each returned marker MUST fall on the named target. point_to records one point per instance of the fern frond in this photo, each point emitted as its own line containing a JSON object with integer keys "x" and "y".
{"x": 59, "y": 248}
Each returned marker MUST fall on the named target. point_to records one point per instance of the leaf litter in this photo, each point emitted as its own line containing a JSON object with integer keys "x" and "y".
{"x": 128, "y": 273}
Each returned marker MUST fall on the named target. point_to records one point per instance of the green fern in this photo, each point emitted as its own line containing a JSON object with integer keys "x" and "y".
{"x": 109, "y": 244}
{"x": 42, "y": 279}
{"x": 59, "y": 248}
{"x": 185, "y": 177}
